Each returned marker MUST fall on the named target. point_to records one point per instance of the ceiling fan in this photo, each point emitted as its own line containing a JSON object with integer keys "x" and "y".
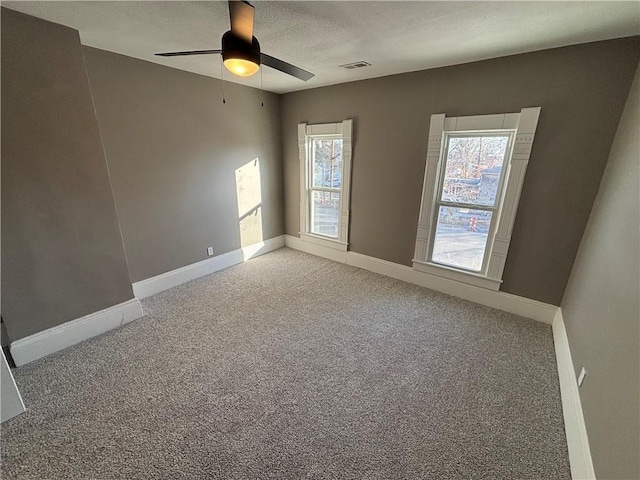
{"x": 241, "y": 50}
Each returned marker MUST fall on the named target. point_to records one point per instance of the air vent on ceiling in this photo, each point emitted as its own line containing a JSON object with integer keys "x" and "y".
{"x": 360, "y": 64}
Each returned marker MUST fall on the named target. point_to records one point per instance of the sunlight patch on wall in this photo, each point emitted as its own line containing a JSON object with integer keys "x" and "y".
{"x": 249, "y": 196}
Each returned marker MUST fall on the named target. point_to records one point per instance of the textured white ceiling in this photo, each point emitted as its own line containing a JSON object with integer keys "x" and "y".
{"x": 319, "y": 36}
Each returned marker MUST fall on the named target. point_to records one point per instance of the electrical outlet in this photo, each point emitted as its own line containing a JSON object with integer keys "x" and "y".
{"x": 583, "y": 373}
{"x": 209, "y": 251}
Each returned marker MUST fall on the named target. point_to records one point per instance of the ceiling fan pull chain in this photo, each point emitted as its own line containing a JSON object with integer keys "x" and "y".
{"x": 222, "y": 80}
{"x": 261, "y": 89}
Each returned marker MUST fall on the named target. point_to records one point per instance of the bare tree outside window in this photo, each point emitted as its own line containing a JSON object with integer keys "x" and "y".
{"x": 467, "y": 200}
{"x": 326, "y": 185}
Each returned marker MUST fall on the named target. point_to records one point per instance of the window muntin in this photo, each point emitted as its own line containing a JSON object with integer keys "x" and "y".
{"x": 325, "y": 167}
{"x": 470, "y": 188}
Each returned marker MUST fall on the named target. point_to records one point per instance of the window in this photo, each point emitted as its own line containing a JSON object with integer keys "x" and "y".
{"x": 474, "y": 175}
{"x": 325, "y": 167}
{"x": 325, "y": 184}
{"x": 466, "y": 204}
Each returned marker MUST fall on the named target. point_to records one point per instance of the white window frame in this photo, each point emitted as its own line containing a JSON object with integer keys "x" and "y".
{"x": 522, "y": 126}
{"x": 306, "y": 133}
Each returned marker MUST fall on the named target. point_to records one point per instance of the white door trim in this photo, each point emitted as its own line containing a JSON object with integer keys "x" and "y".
{"x": 11, "y": 403}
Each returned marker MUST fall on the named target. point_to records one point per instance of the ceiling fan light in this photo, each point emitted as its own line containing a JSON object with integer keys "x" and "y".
{"x": 240, "y": 57}
{"x": 241, "y": 67}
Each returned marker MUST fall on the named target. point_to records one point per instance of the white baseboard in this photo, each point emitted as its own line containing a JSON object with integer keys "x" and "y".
{"x": 315, "y": 249}
{"x": 575, "y": 427}
{"x": 507, "y": 302}
{"x": 151, "y": 286}
{"x": 62, "y": 336}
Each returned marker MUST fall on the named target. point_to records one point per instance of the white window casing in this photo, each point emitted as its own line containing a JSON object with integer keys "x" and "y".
{"x": 306, "y": 133}
{"x": 522, "y": 127}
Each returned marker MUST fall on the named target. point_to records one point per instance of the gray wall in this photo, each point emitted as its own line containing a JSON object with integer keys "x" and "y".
{"x": 62, "y": 252}
{"x": 581, "y": 89}
{"x": 601, "y": 307}
{"x": 173, "y": 148}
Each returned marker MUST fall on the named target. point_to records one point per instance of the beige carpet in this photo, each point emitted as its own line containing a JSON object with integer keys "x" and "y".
{"x": 292, "y": 366}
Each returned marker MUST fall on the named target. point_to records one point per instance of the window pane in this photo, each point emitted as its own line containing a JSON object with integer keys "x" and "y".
{"x": 472, "y": 173}
{"x": 325, "y": 213}
{"x": 327, "y": 162}
{"x": 461, "y": 237}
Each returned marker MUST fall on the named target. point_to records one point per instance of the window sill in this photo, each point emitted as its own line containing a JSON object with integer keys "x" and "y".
{"x": 457, "y": 275}
{"x": 324, "y": 241}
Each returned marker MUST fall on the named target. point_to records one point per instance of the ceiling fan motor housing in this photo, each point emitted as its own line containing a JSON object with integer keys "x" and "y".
{"x": 234, "y": 47}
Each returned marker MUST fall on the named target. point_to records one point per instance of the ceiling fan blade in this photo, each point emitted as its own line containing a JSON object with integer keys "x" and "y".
{"x": 241, "y": 17}
{"x": 285, "y": 67}
{"x": 192, "y": 52}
